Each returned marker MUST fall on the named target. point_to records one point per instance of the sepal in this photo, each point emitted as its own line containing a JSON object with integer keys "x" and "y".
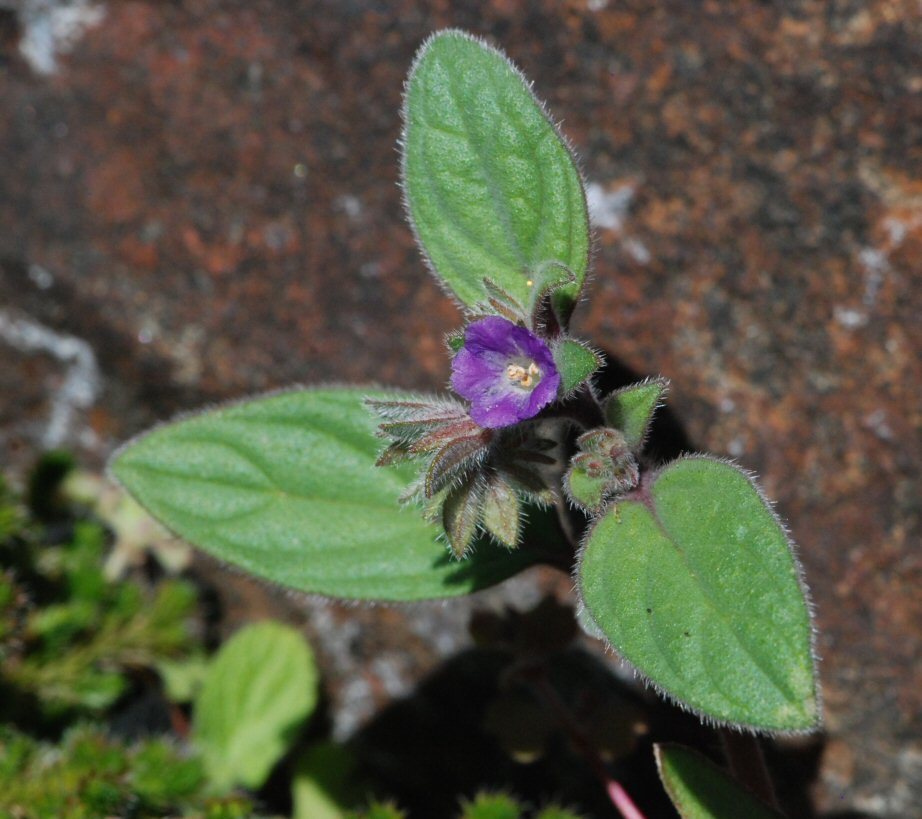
{"x": 502, "y": 511}
{"x": 461, "y": 513}
{"x": 576, "y": 362}
{"x": 631, "y": 409}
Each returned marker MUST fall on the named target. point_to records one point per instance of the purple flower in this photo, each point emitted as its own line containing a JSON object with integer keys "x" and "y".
{"x": 505, "y": 371}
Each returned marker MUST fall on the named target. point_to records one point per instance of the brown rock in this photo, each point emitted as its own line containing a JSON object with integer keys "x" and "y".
{"x": 212, "y": 189}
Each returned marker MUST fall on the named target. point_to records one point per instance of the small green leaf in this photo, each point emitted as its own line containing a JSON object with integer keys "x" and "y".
{"x": 285, "y": 487}
{"x": 324, "y": 782}
{"x": 631, "y": 409}
{"x": 491, "y": 187}
{"x": 454, "y": 341}
{"x": 696, "y": 585}
{"x": 379, "y": 810}
{"x": 701, "y": 790}
{"x": 182, "y": 679}
{"x": 259, "y": 689}
{"x": 575, "y": 363}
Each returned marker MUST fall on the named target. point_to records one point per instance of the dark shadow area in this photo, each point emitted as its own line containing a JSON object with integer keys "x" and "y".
{"x": 444, "y": 742}
{"x": 456, "y": 735}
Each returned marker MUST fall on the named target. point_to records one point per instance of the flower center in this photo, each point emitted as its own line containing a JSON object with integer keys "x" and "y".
{"x": 522, "y": 376}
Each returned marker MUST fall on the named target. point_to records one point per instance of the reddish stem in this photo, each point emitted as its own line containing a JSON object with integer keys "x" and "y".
{"x": 618, "y": 795}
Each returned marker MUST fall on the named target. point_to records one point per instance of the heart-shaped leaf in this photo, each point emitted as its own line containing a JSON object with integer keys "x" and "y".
{"x": 258, "y": 690}
{"x": 490, "y": 185}
{"x": 694, "y": 582}
{"x": 285, "y": 487}
{"x": 701, "y": 790}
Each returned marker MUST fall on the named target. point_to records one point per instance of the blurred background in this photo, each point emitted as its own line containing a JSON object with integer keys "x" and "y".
{"x": 198, "y": 201}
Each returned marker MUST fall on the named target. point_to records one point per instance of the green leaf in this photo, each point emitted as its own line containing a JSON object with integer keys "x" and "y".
{"x": 491, "y": 187}
{"x": 575, "y": 363}
{"x": 701, "y": 790}
{"x": 589, "y": 626}
{"x": 631, "y": 409}
{"x": 323, "y": 782}
{"x": 285, "y": 487}
{"x": 182, "y": 679}
{"x": 695, "y": 584}
{"x": 260, "y": 688}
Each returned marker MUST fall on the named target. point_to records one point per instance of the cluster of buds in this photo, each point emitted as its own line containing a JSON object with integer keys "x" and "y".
{"x": 603, "y": 467}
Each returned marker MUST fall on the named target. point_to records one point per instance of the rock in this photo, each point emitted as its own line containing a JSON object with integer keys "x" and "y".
{"x": 211, "y": 194}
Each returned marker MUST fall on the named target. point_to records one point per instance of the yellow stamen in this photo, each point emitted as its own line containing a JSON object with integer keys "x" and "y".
{"x": 517, "y": 374}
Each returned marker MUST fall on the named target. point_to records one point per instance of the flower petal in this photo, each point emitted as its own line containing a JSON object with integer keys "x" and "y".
{"x": 480, "y": 372}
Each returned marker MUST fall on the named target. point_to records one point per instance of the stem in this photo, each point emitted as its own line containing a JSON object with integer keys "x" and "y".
{"x": 622, "y": 801}
{"x": 747, "y": 764}
{"x": 618, "y": 795}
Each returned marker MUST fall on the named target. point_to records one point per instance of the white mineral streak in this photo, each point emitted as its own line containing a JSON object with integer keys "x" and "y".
{"x": 52, "y": 27}
{"x": 608, "y": 209}
{"x": 81, "y": 384}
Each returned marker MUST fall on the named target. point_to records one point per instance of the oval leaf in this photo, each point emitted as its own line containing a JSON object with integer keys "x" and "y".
{"x": 259, "y": 689}
{"x": 695, "y": 584}
{"x": 701, "y": 790}
{"x": 491, "y": 187}
{"x": 285, "y": 487}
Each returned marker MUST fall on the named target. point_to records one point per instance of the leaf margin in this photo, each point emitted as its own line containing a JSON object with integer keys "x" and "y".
{"x": 799, "y": 575}
{"x": 564, "y": 140}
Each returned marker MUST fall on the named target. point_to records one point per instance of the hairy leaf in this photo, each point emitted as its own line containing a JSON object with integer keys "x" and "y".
{"x": 695, "y": 584}
{"x": 285, "y": 487}
{"x": 490, "y": 184}
{"x": 701, "y": 790}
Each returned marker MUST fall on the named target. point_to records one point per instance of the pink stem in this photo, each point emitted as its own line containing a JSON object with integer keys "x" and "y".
{"x": 616, "y": 792}
{"x": 622, "y": 801}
